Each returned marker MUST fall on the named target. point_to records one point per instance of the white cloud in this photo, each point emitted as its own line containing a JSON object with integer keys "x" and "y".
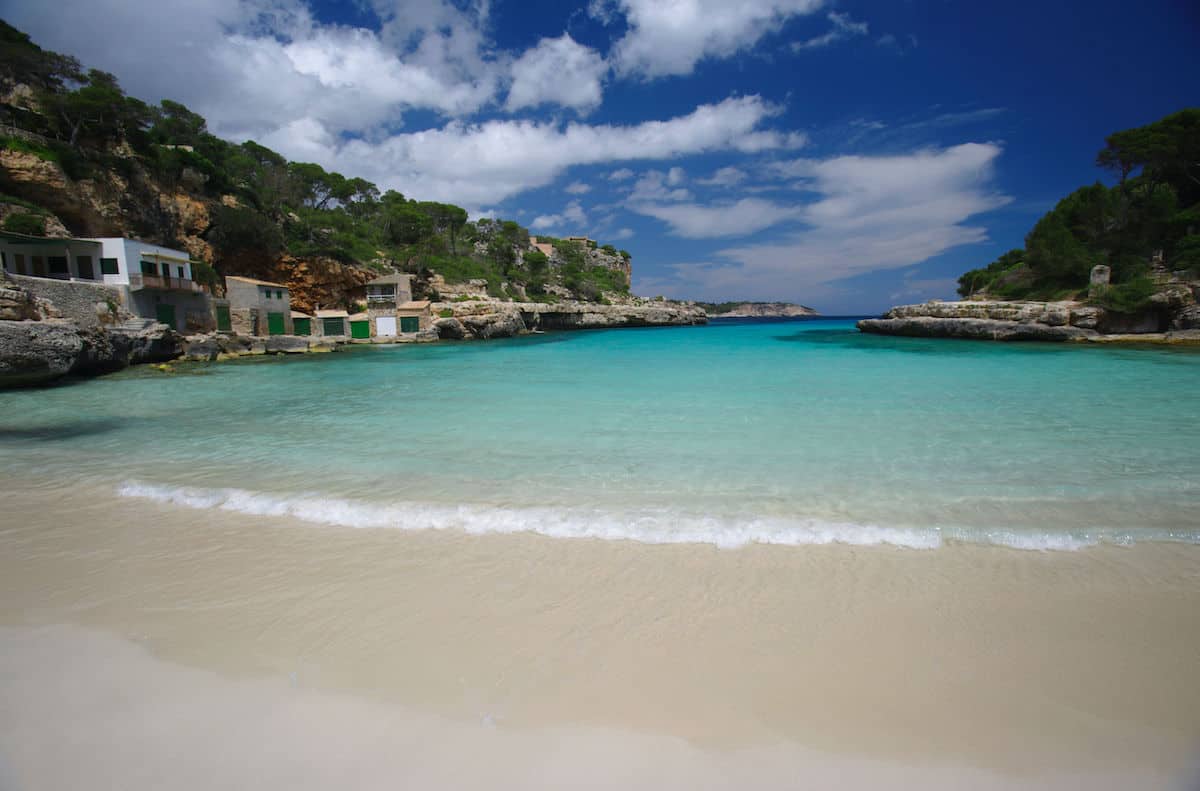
{"x": 666, "y": 37}
{"x": 746, "y": 216}
{"x": 247, "y": 64}
{"x": 724, "y": 177}
{"x": 622, "y": 234}
{"x": 557, "y": 71}
{"x": 483, "y": 164}
{"x": 871, "y": 214}
{"x": 655, "y": 185}
{"x": 622, "y": 174}
{"x": 577, "y": 188}
{"x": 843, "y": 28}
{"x": 572, "y": 215}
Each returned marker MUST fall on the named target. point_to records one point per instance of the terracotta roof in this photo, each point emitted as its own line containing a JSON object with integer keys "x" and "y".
{"x": 332, "y": 314}
{"x": 255, "y": 281}
{"x": 418, "y": 305}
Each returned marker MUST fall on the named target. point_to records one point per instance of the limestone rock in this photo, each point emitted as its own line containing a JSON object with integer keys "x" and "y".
{"x": 494, "y": 325}
{"x": 33, "y": 352}
{"x": 287, "y": 344}
{"x": 201, "y": 348}
{"x": 987, "y": 329}
{"x": 450, "y": 328}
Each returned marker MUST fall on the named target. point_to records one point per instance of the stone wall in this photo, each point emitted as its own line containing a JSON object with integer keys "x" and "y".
{"x": 87, "y": 304}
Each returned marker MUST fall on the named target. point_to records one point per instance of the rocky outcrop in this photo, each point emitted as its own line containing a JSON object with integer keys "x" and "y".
{"x": 746, "y": 310}
{"x": 37, "y": 352}
{"x": 1037, "y": 321}
{"x": 482, "y": 319}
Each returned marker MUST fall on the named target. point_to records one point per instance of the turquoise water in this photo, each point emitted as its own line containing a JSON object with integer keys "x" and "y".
{"x": 781, "y": 432}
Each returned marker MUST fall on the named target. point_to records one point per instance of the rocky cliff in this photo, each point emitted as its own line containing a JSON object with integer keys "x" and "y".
{"x": 482, "y": 318}
{"x": 1174, "y": 317}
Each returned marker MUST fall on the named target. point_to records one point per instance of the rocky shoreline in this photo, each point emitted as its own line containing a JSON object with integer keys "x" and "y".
{"x": 1175, "y": 319}
{"x": 38, "y": 345}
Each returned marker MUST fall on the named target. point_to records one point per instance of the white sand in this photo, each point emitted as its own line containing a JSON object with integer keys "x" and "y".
{"x": 207, "y": 649}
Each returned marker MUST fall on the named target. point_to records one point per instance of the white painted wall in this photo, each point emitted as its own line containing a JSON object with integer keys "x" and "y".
{"x": 129, "y": 253}
{"x": 71, "y": 249}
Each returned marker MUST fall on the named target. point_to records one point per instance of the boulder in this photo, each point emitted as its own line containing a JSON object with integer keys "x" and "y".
{"x": 201, "y": 348}
{"x": 494, "y": 325}
{"x": 450, "y": 328}
{"x": 287, "y": 344}
{"x": 33, "y": 352}
{"x": 986, "y": 329}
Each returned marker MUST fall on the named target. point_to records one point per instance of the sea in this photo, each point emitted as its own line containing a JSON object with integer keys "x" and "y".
{"x": 776, "y": 432}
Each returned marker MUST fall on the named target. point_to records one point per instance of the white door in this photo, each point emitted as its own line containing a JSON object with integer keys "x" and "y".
{"x": 385, "y": 326}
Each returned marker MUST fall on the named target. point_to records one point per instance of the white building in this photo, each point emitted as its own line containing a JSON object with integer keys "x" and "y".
{"x": 155, "y": 281}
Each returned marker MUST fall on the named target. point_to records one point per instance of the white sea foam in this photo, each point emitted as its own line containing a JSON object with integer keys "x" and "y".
{"x": 650, "y": 527}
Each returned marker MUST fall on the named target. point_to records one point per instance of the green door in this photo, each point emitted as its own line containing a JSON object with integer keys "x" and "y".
{"x": 360, "y": 329}
{"x": 275, "y": 325}
{"x": 302, "y": 326}
{"x": 165, "y": 314}
{"x": 224, "y": 323}
{"x": 333, "y": 327}
{"x": 410, "y": 324}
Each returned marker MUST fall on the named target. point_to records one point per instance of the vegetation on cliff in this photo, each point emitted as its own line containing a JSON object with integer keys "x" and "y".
{"x": 1151, "y": 217}
{"x": 260, "y": 207}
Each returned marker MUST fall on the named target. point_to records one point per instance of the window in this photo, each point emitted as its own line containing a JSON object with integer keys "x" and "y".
{"x": 4, "y": 260}
{"x": 39, "y": 265}
{"x": 19, "y": 263}
{"x": 58, "y": 265}
{"x": 84, "y": 264}
{"x": 148, "y": 268}
{"x": 267, "y": 293}
{"x": 278, "y": 295}
{"x": 108, "y": 266}
{"x": 180, "y": 268}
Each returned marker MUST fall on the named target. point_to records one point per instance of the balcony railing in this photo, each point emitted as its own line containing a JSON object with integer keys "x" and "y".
{"x": 381, "y": 297}
{"x": 140, "y": 280}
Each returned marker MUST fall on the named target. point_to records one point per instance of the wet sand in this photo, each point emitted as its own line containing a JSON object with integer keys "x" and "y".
{"x": 146, "y": 645}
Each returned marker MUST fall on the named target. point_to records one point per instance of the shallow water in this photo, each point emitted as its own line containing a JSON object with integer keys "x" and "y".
{"x": 772, "y": 432}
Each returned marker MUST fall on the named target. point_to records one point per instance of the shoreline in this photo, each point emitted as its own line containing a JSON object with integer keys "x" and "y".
{"x": 1015, "y": 666}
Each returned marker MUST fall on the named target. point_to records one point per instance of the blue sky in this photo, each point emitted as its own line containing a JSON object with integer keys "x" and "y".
{"x": 846, "y": 155}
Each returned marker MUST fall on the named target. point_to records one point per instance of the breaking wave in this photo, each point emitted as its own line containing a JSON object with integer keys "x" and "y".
{"x": 644, "y": 526}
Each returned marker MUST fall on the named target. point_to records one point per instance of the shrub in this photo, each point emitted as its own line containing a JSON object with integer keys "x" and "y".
{"x": 30, "y": 224}
{"x": 1131, "y": 297}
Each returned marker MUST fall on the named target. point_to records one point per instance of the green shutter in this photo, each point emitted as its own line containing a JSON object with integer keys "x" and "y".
{"x": 224, "y": 323}
{"x": 360, "y": 329}
{"x": 302, "y": 326}
{"x": 275, "y": 324}
{"x": 165, "y": 314}
{"x": 333, "y": 326}
{"x": 410, "y": 324}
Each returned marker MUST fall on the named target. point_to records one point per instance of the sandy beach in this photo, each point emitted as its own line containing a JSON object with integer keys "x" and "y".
{"x": 148, "y": 645}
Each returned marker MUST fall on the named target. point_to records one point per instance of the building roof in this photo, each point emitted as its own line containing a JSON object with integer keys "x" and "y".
{"x": 24, "y": 238}
{"x": 332, "y": 314}
{"x": 395, "y": 277}
{"x": 421, "y": 304}
{"x": 360, "y": 317}
{"x": 298, "y": 315}
{"x": 255, "y": 281}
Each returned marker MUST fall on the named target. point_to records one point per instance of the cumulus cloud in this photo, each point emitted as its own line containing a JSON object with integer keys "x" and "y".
{"x": 669, "y": 37}
{"x": 557, "y": 71}
{"x": 572, "y": 215}
{"x": 577, "y": 188}
{"x": 621, "y": 174}
{"x": 623, "y": 233}
{"x": 843, "y": 28}
{"x": 483, "y": 164}
{"x": 246, "y": 64}
{"x": 870, "y": 214}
